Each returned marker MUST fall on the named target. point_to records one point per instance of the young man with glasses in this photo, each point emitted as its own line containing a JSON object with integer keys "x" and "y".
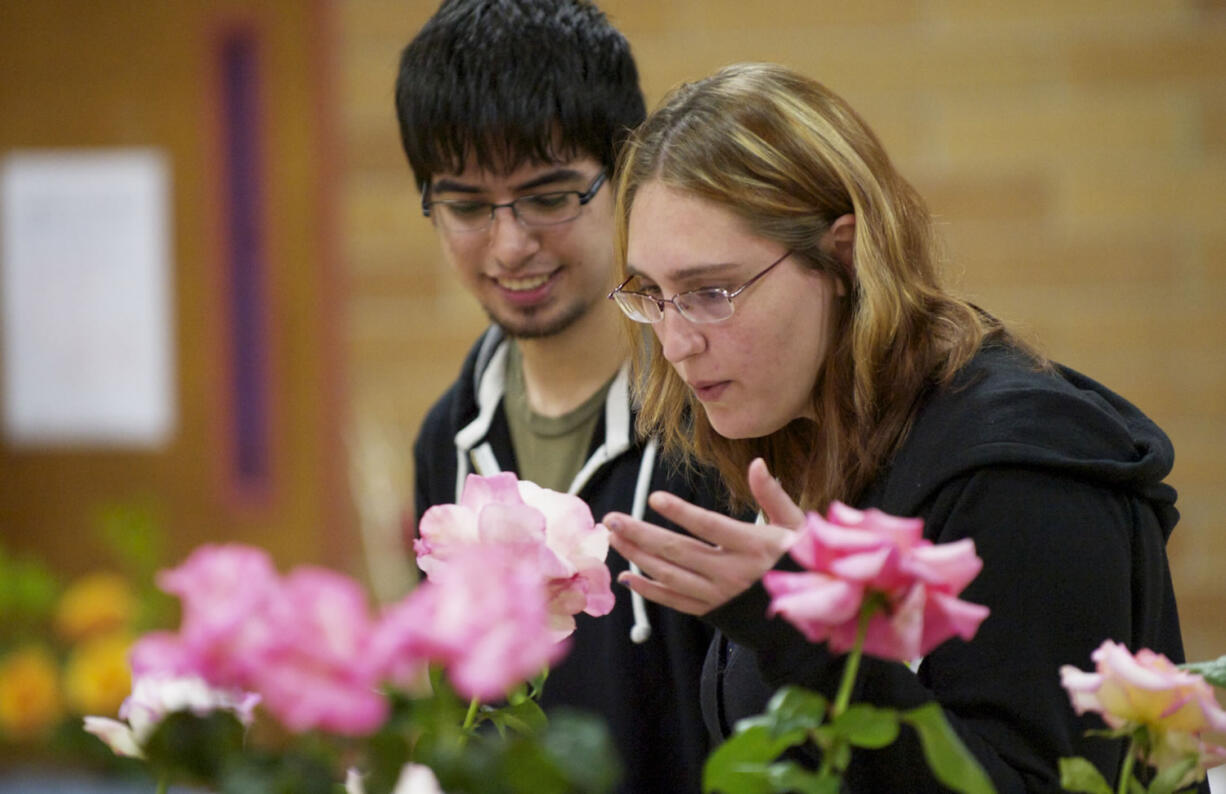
{"x": 510, "y": 114}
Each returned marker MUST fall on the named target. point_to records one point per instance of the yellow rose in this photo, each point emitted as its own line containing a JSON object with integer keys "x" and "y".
{"x": 29, "y": 692}
{"x": 1177, "y": 708}
{"x": 97, "y": 602}
{"x": 96, "y": 677}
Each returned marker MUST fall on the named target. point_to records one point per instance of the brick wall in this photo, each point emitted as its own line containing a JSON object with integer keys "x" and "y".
{"x": 1074, "y": 152}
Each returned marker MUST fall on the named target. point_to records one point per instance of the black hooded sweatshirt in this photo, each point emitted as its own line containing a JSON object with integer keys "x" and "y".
{"x": 1059, "y": 482}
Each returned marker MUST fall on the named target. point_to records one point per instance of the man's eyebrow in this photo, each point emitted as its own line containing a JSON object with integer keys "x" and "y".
{"x": 551, "y": 177}
{"x": 452, "y": 186}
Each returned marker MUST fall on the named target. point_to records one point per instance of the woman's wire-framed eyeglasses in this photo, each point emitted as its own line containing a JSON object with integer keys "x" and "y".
{"x": 702, "y": 305}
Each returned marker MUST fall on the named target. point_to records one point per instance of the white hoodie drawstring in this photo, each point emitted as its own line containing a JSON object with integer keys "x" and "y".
{"x": 641, "y": 630}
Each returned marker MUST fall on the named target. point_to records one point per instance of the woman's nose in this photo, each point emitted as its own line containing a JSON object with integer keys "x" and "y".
{"x": 678, "y": 337}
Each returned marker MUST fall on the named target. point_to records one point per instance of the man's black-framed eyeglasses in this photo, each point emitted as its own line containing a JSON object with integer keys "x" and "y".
{"x": 537, "y": 209}
{"x": 703, "y": 305}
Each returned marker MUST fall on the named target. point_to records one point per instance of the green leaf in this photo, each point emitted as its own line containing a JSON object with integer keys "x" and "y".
{"x": 131, "y": 533}
{"x": 579, "y": 745}
{"x": 739, "y": 764}
{"x": 195, "y": 746}
{"x": 867, "y": 726}
{"x": 836, "y": 750}
{"x": 790, "y": 776}
{"x": 388, "y": 752}
{"x": 794, "y": 708}
{"x": 947, "y": 756}
{"x": 29, "y": 593}
{"x": 291, "y": 773}
{"x": 525, "y": 717}
{"x": 1212, "y": 671}
{"x": 1167, "y": 780}
{"x": 1079, "y": 775}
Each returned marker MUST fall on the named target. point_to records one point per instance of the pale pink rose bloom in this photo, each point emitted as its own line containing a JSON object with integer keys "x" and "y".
{"x": 417, "y": 779}
{"x": 117, "y": 736}
{"x": 316, "y": 671}
{"x": 482, "y": 617}
{"x": 555, "y": 528}
{"x": 154, "y": 697}
{"x": 851, "y": 555}
{"x": 227, "y": 594}
{"x": 1178, "y": 707}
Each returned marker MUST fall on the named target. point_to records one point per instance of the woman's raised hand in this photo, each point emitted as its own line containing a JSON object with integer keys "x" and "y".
{"x": 722, "y": 559}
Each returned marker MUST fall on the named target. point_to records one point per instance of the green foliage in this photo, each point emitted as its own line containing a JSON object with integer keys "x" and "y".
{"x": 1212, "y": 671}
{"x": 742, "y": 764}
{"x": 196, "y": 748}
{"x": 746, "y": 763}
{"x": 132, "y": 535}
{"x": 795, "y": 708}
{"x": 508, "y": 750}
{"x": 1167, "y": 780}
{"x": 572, "y": 754}
{"x": 292, "y": 773}
{"x": 1079, "y": 775}
{"x": 867, "y": 726}
{"x": 947, "y": 756}
{"x": 28, "y": 596}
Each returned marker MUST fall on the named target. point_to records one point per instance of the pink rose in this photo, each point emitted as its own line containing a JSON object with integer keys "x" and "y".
{"x": 1177, "y": 708}
{"x": 315, "y": 671}
{"x": 302, "y": 642}
{"x": 555, "y": 529}
{"x": 482, "y": 616}
{"x": 852, "y": 555}
{"x": 227, "y": 594}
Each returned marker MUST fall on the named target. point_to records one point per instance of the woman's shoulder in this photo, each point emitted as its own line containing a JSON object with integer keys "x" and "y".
{"x": 1007, "y": 408}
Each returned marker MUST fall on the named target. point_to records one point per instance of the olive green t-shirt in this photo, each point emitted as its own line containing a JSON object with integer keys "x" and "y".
{"x": 550, "y": 450}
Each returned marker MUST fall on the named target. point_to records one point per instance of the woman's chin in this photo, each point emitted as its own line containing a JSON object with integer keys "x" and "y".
{"x": 740, "y": 426}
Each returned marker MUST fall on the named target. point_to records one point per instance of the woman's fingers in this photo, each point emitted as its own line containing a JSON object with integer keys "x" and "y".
{"x": 724, "y": 556}
{"x": 665, "y": 596}
{"x": 776, "y": 504}
{"x": 716, "y": 529}
{"x": 671, "y": 564}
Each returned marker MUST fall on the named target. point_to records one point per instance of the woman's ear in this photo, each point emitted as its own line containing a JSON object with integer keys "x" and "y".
{"x": 840, "y": 240}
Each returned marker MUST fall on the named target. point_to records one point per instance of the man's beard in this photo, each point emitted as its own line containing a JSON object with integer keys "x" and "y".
{"x": 526, "y": 327}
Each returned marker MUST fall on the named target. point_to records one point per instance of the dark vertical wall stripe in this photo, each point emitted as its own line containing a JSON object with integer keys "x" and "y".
{"x": 245, "y": 260}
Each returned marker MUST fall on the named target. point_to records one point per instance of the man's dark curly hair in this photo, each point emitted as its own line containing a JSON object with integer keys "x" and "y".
{"x": 508, "y": 82}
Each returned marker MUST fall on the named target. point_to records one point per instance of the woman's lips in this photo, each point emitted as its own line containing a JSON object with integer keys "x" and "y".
{"x": 709, "y": 391}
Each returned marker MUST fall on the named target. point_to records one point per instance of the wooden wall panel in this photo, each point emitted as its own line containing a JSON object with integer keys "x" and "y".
{"x": 77, "y": 75}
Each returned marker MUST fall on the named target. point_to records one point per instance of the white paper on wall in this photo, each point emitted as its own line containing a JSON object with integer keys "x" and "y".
{"x": 85, "y": 282}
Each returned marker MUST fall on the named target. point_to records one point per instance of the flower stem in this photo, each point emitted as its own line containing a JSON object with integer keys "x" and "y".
{"x": 163, "y": 784}
{"x": 852, "y": 666}
{"x": 471, "y": 716}
{"x": 1121, "y": 786}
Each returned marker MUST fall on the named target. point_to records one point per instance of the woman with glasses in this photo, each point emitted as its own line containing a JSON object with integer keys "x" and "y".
{"x": 804, "y": 344}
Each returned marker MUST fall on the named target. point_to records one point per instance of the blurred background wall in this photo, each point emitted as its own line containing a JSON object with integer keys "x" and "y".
{"x": 1074, "y": 152}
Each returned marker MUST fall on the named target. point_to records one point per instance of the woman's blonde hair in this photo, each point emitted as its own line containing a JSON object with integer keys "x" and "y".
{"x": 788, "y": 157}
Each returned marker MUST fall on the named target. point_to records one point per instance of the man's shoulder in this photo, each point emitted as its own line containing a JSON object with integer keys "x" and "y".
{"x": 457, "y": 405}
